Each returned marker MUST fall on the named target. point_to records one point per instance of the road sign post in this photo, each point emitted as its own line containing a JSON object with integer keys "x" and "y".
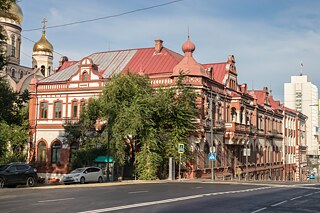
{"x": 212, "y": 157}
{"x": 180, "y": 151}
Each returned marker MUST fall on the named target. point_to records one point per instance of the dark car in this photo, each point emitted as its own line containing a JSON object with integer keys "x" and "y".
{"x": 14, "y": 174}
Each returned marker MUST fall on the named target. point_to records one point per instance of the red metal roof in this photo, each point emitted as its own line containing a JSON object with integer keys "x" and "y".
{"x": 66, "y": 64}
{"x": 147, "y": 61}
{"x": 219, "y": 70}
{"x": 260, "y": 95}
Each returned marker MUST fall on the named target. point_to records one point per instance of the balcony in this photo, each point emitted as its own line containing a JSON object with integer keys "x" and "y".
{"x": 70, "y": 121}
{"x": 236, "y": 127}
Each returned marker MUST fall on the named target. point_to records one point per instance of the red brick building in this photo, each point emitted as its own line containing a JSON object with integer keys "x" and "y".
{"x": 231, "y": 118}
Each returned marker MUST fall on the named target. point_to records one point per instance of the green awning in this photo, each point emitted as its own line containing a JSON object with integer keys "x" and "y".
{"x": 103, "y": 159}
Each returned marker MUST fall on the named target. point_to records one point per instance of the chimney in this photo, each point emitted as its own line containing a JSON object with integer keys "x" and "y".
{"x": 158, "y": 45}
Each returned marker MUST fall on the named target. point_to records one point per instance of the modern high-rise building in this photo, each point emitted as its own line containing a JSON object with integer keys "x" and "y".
{"x": 300, "y": 94}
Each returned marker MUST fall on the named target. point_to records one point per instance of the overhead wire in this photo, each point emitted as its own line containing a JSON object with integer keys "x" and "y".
{"x": 35, "y": 42}
{"x": 106, "y": 17}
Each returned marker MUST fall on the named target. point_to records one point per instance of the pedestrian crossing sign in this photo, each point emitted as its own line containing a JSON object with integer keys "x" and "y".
{"x": 181, "y": 148}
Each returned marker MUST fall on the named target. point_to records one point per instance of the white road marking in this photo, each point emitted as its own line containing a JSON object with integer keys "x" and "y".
{"x": 163, "y": 201}
{"x": 308, "y": 195}
{"x": 259, "y": 210}
{"x": 317, "y": 192}
{"x": 137, "y": 192}
{"x": 296, "y": 198}
{"x": 45, "y": 201}
{"x": 277, "y": 204}
{"x": 198, "y": 187}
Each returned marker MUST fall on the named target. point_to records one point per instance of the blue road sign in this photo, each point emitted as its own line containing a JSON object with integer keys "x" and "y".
{"x": 212, "y": 156}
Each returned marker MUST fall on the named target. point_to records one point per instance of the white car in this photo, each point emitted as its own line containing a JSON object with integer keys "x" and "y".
{"x": 84, "y": 175}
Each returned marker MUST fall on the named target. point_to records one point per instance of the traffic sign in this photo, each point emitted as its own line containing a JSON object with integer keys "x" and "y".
{"x": 212, "y": 156}
{"x": 181, "y": 148}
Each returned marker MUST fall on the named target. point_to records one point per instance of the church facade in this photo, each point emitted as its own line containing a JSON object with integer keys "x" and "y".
{"x": 17, "y": 75}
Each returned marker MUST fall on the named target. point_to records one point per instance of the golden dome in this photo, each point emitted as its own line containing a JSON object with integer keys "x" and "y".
{"x": 15, "y": 13}
{"x": 43, "y": 44}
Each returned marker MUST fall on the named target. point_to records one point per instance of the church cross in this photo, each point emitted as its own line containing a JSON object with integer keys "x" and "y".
{"x": 44, "y": 24}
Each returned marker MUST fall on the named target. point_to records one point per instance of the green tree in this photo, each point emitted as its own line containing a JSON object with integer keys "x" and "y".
{"x": 158, "y": 120}
{"x": 13, "y": 124}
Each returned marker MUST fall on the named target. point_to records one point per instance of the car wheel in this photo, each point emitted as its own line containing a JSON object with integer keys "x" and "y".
{"x": 1, "y": 183}
{"x": 100, "y": 180}
{"x": 30, "y": 181}
{"x": 82, "y": 180}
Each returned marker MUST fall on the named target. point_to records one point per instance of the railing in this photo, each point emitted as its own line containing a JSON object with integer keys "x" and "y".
{"x": 68, "y": 120}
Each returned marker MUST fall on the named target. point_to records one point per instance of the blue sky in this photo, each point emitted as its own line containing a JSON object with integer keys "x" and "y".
{"x": 269, "y": 38}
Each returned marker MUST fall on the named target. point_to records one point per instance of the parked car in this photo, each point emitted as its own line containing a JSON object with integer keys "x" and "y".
{"x": 312, "y": 176}
{"x": 14, "y": 174}
{"x": 84, "y": 175}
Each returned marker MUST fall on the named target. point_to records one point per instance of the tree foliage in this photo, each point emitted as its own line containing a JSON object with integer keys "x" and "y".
{"x": 13, "y": 123}
{"x": 154, "y": 121}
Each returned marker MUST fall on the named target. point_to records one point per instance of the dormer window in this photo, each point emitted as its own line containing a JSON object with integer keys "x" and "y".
{"x": 85, "y": 76}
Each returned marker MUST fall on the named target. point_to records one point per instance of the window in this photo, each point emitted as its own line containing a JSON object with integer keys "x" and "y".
{"x": 43, "y": 110}
{"x": 83, "y": 105}
{"x": 75, "y": 109}
{"x": 43, "y": 70}
{"x": 206, "y": 151}
{"x": 13, "y": 45}
{"x": 21, "y": 74}
{"x": 58, "y": 109}
{"x": 56, "y": 152}
{"x": 73, "y": 150}
{"x": 42, "y": 152}
{"x": 13, "y": 73}
{"x": 84, "y": 76}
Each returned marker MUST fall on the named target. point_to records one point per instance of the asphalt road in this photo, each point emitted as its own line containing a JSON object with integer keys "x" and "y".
{"x": 162, "y": 197}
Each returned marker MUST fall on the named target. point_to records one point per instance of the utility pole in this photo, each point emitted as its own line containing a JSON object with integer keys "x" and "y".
{"x": 246, "y": 150}
{"x": 211, "y": 134}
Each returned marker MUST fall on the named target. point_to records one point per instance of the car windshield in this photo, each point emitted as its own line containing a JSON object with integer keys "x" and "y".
{"x": 3, "y": 167}
{"x": 79, "y": 170}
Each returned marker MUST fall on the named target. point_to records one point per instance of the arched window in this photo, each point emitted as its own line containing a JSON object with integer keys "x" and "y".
{"x": 43, "y": 70}
{"x": 206, "y": 151}
{"x": 82, "y": 106}
{"x": 43, "y": 110}
{"x": 13, "y": 45}
{"x": 73, "y": 150}
{"x": 21, "y": 74}
{"x": 42, "y": 152}
{"x": 56, "y": 152}
{"x": 74, "y": 109}
{"x": 233, "y": 114}
{"x": 84, "y": 76}
{"x": 13, "y": 73}
{"x": 58, "y": 109}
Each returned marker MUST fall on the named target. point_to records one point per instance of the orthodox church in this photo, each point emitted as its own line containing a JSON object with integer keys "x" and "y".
{"x": 17, "y": 75}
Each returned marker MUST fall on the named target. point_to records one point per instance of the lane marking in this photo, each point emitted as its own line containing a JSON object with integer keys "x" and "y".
{"x": 277, "y": 204}
{"x": 137, "y": 192}
{"x": 308, "y": 195}
{"x": 45, "y": 201}
{"x": 296, "y": 198}
{"x": 165, "y": 201}
{"x": 259, "y": 210}
{"x": 198, "y": 187}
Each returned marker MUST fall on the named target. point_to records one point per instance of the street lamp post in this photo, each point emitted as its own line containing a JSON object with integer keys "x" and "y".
{"x": 211, "y": 135}
{"x": 108, "y": 150}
